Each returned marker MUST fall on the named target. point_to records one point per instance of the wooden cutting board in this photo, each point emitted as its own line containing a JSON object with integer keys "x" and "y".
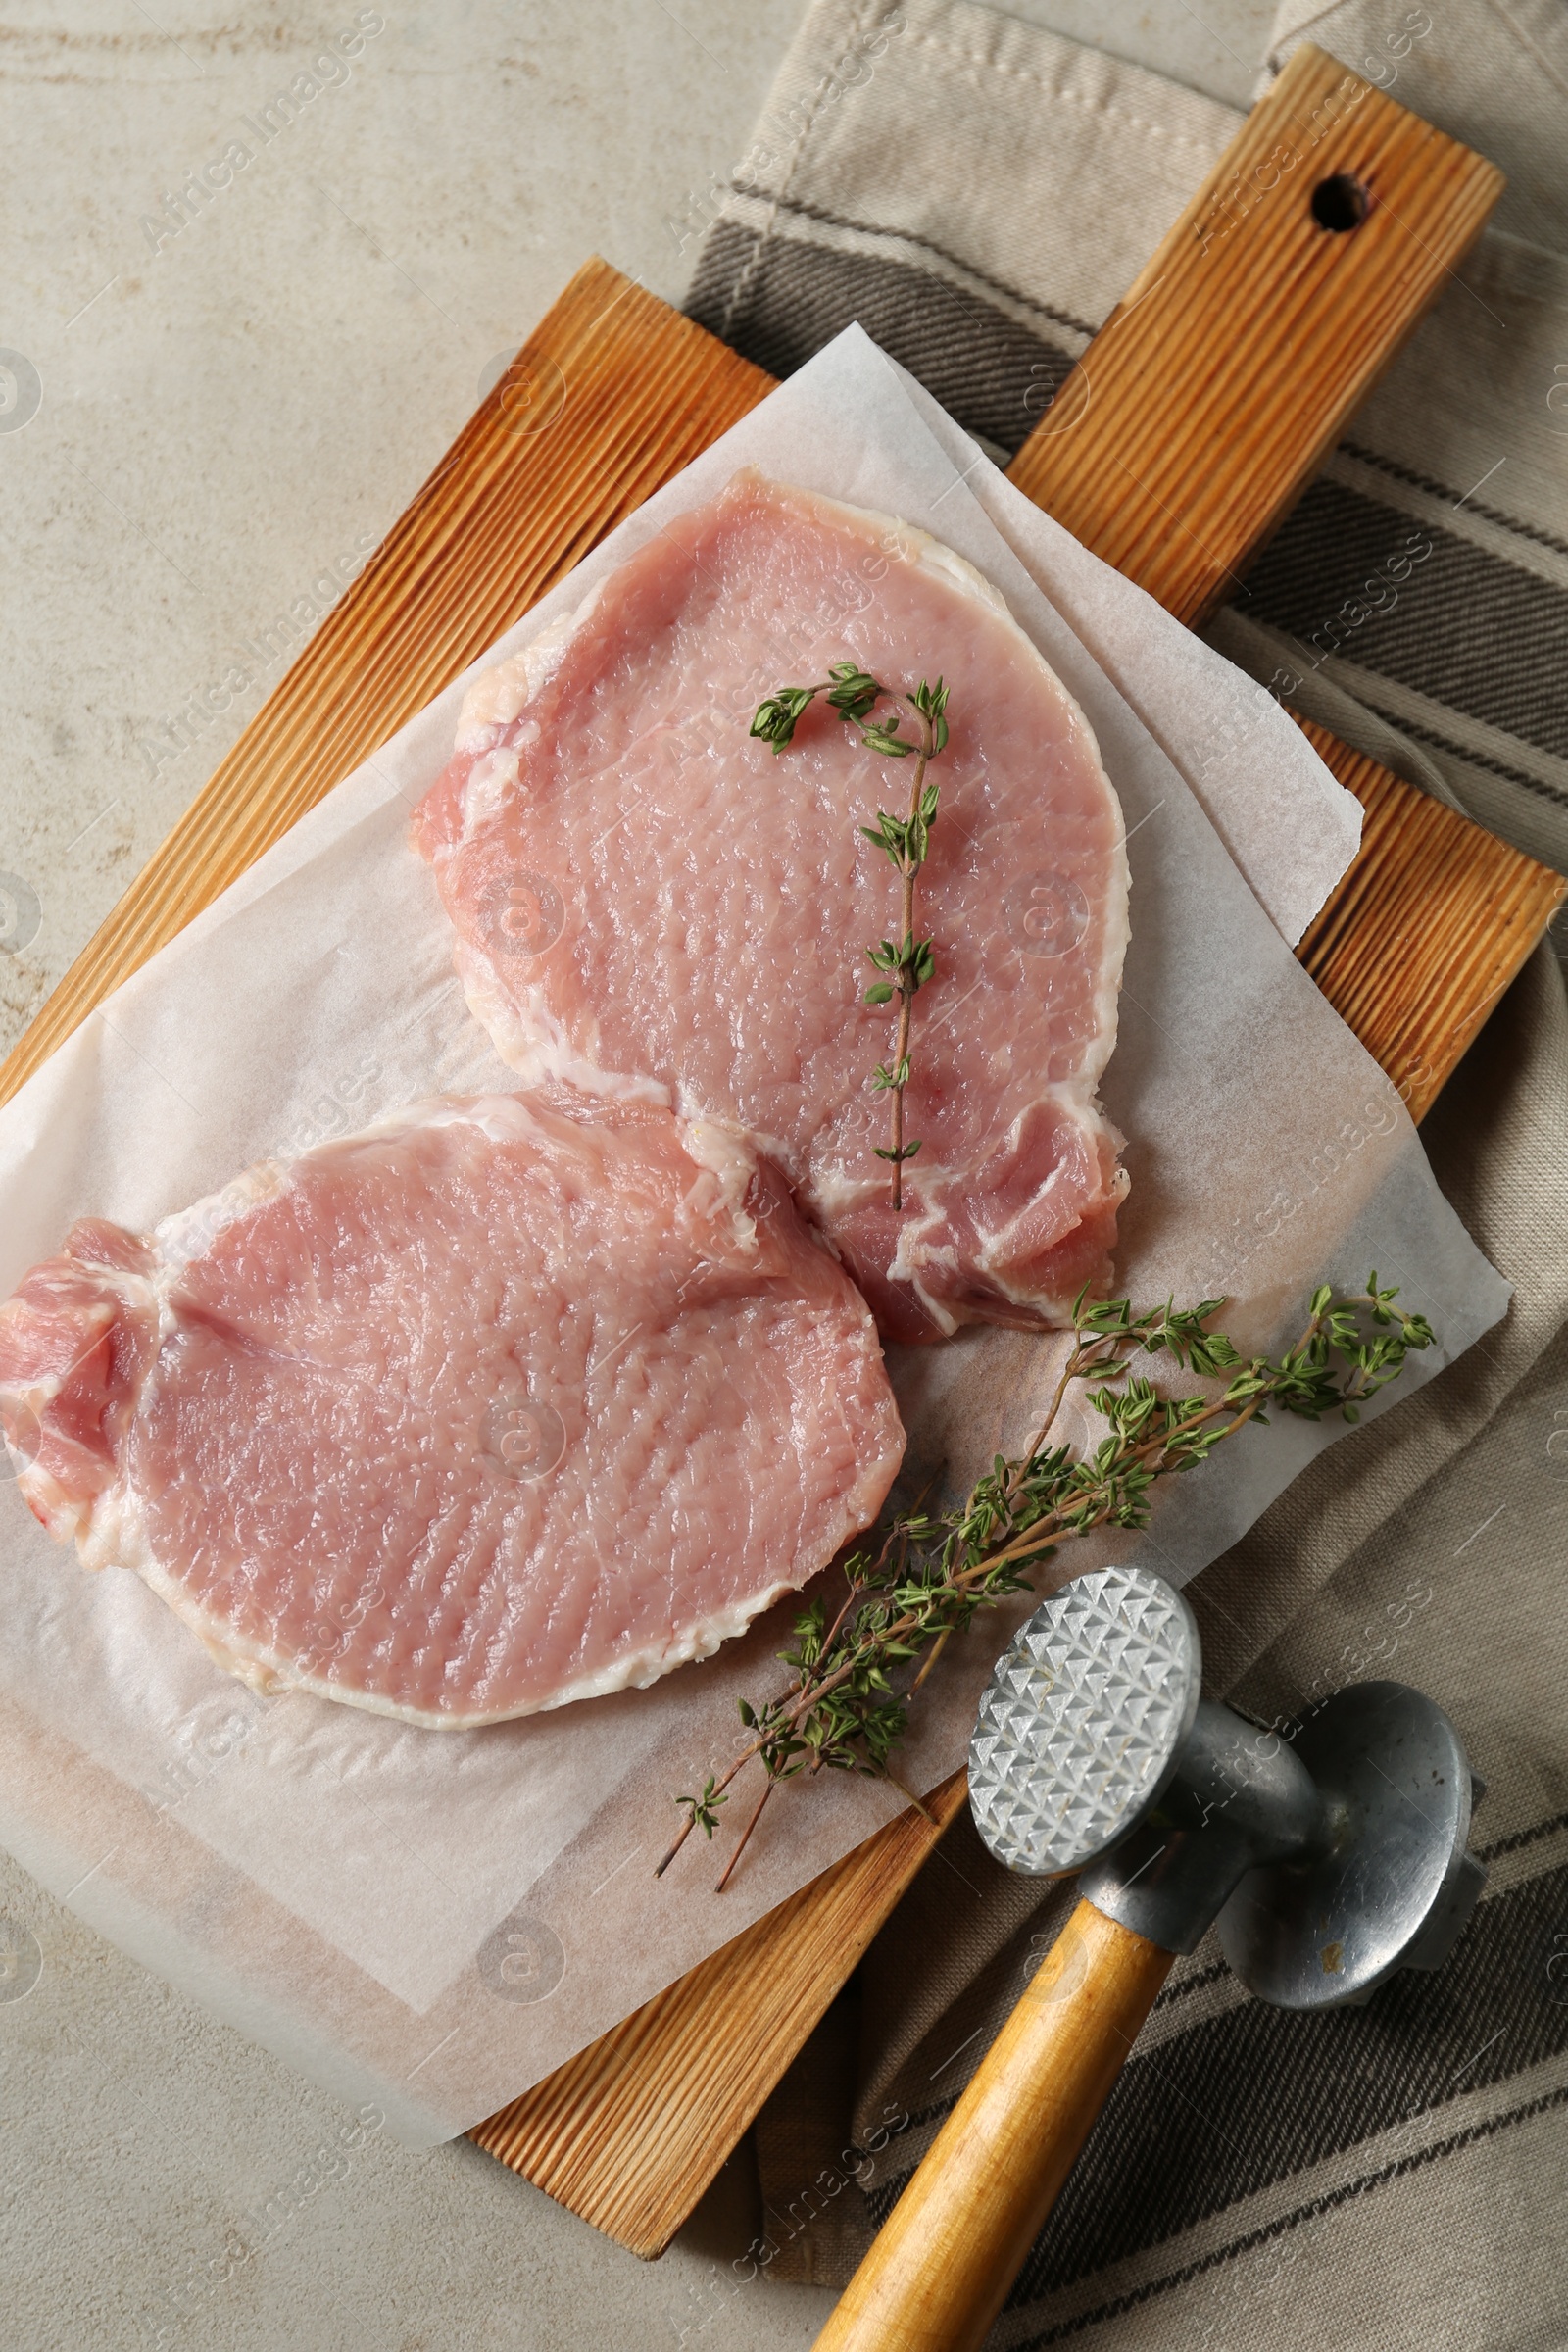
{"x": 1177, "y": 444}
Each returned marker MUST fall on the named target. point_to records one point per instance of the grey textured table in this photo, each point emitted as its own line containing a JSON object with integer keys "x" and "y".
{"x": 210, "y": 413}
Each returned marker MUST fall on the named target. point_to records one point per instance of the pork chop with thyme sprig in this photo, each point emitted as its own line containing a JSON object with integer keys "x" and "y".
{"x": 642, "y": 893}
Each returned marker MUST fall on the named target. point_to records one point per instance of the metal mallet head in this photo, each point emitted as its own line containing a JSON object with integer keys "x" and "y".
{"x": 1331, "y": 1854}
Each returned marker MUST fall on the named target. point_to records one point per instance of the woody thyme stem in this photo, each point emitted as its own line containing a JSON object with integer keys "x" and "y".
{"x": 907, "y": 980}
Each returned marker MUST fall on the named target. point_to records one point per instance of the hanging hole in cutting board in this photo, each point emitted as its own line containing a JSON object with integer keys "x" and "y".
{"x": 1340, "y": 203}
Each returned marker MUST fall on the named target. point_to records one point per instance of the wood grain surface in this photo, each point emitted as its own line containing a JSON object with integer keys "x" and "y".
{"x": 1226, "y": 371}
{"x": 662, "y": 2099}
{"x": 612, "y": 395}
{"x": 1425, "y": 930}
{"x": 942, "y": 2261}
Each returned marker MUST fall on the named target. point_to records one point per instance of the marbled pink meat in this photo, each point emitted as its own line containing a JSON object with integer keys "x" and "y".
{"x": 489, "y": 1408}
{"x": 644, "y": 896}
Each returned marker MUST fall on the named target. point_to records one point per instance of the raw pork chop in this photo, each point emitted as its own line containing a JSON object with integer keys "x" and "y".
{"x": 645, "y": 897}
{"x": 487, "y": 1409}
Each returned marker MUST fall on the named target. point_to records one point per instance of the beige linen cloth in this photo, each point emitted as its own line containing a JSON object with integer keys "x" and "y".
{"x": 978, "y": 193}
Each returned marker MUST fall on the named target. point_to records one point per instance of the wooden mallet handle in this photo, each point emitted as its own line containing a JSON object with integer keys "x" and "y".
{"x": 942, "y": 2265}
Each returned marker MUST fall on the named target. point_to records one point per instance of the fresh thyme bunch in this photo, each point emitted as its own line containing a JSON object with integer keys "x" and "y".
{"x": 926, "y": 1577}
{"x": 908, "y": 962}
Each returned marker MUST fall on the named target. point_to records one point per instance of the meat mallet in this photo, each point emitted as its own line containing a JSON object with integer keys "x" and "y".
{"x": 1329, "y": 1854}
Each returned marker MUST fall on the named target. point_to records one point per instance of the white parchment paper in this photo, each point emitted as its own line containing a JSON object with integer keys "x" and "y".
{"x": 435, "y": 1920}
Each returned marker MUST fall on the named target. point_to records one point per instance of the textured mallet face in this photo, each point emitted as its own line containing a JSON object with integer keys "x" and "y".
{"x": 1082, "y": 1720}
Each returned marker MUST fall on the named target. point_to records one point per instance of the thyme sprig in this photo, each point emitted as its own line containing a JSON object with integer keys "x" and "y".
{"x": 925, "y": 1577}
{"x": 906, "y": 963}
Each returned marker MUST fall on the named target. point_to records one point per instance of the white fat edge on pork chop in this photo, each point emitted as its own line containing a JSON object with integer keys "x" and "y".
{"x": 637, "y": 1670}
{"x": 530, "y": 1038}
{"x": 110, "y": 1529}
